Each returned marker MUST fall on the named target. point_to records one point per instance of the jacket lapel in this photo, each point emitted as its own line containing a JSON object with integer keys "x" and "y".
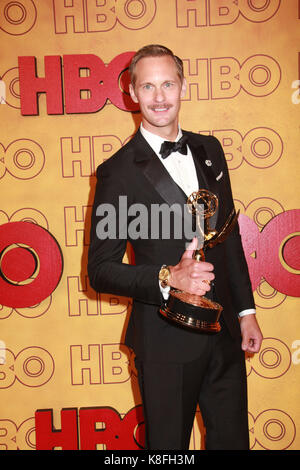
{"x": 204, "y": 167}
{"x": 163, "y": 183}
{"x": 206, "y": 175}
{"x": 156, "y": 173}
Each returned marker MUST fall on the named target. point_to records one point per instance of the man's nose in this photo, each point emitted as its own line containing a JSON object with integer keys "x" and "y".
{"x": 159, "y": 95}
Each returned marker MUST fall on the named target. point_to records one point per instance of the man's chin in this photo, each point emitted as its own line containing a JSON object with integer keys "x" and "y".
{"x": 161, "y": 120}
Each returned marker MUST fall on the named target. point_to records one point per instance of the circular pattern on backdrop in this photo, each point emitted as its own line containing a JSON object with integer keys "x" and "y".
{"x": 30, "y": 264}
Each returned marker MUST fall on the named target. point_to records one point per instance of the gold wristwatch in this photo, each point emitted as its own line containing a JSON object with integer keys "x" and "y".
{"x": 164, "y": 275}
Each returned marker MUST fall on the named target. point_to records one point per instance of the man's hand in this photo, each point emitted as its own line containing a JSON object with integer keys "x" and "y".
{"x": 190, "y": 275}
{"x": 251, "y": 334}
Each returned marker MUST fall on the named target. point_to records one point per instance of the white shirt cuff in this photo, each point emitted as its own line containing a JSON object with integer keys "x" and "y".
{"x": 249, "y": 311}
{"x": 165, "y": 291}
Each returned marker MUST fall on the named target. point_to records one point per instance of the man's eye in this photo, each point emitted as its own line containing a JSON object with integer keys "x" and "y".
{"x": 147, "y": 86}
{"x": 168, "y": 84}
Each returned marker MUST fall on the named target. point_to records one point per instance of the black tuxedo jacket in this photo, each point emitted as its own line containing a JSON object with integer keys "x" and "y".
{"x": 137, "y": 173}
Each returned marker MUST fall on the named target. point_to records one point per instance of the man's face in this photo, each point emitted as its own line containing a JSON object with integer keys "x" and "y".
{"x": 158, "y": 90}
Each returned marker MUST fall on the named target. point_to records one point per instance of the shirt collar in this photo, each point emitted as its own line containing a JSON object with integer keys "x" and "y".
{"x": 155, "y": 140}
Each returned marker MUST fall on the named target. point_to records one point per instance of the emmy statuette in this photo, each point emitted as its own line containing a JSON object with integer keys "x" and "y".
{"x": 192, "y": 310}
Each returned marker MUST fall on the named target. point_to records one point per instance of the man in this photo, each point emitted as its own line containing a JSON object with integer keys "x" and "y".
{"x": 178, "y": 368}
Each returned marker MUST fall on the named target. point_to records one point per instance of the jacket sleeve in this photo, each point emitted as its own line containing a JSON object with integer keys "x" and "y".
{"x": 238, "y": 273}
{"x": 108, "y": 242}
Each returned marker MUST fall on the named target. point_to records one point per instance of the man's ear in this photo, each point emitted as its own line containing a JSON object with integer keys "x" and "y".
{"x": 132, "y": 94}
{"x": 183, "y": 88}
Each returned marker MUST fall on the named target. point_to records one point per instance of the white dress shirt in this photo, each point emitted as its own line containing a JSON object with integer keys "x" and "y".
{"x": 182, "y": 170}
{"x": 180, "y": 167}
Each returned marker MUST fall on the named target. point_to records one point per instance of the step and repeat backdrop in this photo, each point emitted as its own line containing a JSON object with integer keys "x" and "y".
{"x": 66, "y": 378}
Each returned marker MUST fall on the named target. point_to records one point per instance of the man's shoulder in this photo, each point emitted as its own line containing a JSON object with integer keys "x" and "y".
{"x": 206, "y": 139}
{"x": 120, "y": 159}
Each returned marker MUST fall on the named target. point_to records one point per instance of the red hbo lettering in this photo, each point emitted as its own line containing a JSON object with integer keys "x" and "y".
{"x": 74, "y": 83}
{"x": 282, "y": 239}
{"x": 117, "y": 433}
{"x": 83, "y": 94}
{"x": 274, "y": 253}
{"x": 47, "y": 438}
{"x": 250, "y": 235}
{"x": 99, "y": 427}
{"x": 31, "y": 85}
{"x": 88, "y": 82}
{"x": 30, "y": 264}
{"x": 108, "y": 77}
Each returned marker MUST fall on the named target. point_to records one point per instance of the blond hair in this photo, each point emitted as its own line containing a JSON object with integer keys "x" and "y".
{"x": 154, "y": 50}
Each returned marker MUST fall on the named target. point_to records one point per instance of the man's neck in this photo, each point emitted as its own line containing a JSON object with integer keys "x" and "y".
{"x": 164, "y": 133}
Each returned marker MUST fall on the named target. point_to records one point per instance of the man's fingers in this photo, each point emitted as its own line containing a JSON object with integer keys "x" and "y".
{"x": 251, "y": 345}
{"x": 251, "y": 334}
{"x": 202, "y": 271}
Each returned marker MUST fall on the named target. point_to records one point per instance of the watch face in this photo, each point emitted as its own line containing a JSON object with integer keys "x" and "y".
{"x": 164, "y": 273}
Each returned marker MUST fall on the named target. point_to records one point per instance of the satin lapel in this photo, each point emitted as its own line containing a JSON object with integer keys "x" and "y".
{"x": 204, "y": 170}
{"x": 156, "y": 173}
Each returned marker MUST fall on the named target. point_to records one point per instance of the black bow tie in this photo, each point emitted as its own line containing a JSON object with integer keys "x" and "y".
{"x": 168, "y": 147}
